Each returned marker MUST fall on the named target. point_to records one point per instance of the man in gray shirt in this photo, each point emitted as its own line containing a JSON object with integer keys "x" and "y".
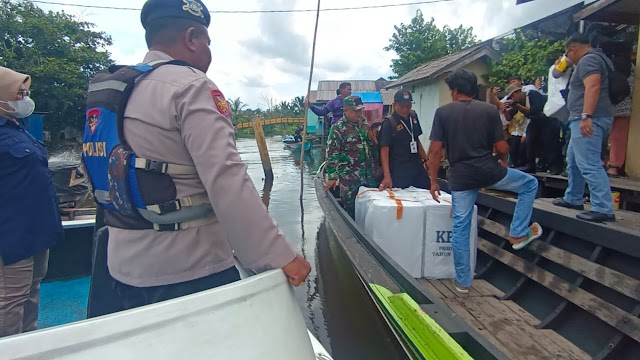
{"x": 590, "y": 119}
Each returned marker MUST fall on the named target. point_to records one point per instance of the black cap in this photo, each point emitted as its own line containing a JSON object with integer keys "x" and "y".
{"x": 193, "y": 10}
{"x": 402, "y": 96}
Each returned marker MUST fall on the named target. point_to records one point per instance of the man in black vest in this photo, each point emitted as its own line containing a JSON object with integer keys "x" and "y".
{"x": 401, "y": 154}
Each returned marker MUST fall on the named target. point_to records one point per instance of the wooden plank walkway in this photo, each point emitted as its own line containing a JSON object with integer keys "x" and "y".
{"x": 504, "y": 323}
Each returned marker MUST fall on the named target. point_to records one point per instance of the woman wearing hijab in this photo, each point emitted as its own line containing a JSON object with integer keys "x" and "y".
{"x": 29, "y": 219}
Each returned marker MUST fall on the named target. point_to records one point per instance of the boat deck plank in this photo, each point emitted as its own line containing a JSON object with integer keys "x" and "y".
{"x": 503, "y": 322}
{"x": 518, "y": 339}
{"x": 613, "y": 279}
{"x": 627, "y": 220}
{"x": 616, "y": 183}
{"x": 479, "y": 327}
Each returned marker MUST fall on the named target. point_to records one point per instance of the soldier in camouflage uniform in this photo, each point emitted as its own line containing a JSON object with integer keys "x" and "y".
{"x": 350, "y": 154}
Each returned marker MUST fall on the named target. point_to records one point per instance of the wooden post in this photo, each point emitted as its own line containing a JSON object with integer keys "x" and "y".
{"x": 306, "y": 109}
{"x": 258, "y": 131}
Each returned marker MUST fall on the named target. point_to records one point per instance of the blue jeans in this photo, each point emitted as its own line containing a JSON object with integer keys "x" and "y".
{"x": 525, "y": 185}
{"x": 584, "y": 165}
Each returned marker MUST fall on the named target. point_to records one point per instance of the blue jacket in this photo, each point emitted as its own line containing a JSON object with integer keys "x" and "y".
{"x": 29, "y": 216}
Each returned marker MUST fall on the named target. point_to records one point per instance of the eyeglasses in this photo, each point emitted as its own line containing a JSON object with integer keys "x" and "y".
{"x": 24, "y": 93}
{"x": 568, "y": 50}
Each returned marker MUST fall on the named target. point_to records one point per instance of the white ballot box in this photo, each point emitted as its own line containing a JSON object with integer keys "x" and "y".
{"x": 413, "y": 229}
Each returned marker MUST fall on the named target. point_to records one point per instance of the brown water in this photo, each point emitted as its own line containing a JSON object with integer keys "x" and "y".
{"x": 337, "y": 309}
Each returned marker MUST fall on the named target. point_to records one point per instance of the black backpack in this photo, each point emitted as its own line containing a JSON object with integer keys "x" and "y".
{"x": 619, "y": 88}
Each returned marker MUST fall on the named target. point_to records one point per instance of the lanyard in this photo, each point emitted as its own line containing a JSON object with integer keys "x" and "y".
{"x": 407, "y": 128}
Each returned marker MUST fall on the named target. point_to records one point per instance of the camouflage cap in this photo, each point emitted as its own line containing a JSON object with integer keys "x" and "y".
{"x": 353, "y": 102}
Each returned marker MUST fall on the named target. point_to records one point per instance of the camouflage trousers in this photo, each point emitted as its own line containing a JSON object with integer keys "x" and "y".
{"x": 348, "y": 192}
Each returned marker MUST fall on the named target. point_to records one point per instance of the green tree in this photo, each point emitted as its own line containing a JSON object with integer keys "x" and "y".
{"x": 297, "y": 106}
{"x": 524, "y": 55}
{"x": 420, "y": 41}
{"x": 60, "y": 53}
{"x": 237, "y": 105}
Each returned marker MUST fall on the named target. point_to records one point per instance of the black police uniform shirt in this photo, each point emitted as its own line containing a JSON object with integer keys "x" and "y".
{"x": 469, "y": 129}
{"x": 402, "y": 162}
{"x": 29, "y": 216}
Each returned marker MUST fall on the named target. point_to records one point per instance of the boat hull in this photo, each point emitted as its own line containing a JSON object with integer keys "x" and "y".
{"x": 228, "y": 322}
{"x": 297, "y": 146}
{"x": 375, "y": 267}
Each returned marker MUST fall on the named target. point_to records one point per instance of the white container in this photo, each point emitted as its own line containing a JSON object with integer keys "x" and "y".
{"x": 398, "y": 230}
{"x": 256, "y": 318}
{"x": 424, "y": 230}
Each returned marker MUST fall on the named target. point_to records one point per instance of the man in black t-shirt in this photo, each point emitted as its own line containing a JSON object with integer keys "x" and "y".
{"x": 470, "y": 130}
{"x": 401, "y": 153}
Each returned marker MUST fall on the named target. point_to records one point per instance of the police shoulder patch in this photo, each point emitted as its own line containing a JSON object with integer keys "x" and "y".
{"x": 221, "y": 103}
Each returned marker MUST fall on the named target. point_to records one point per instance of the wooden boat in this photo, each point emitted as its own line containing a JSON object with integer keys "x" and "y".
{"x": 298, "y": 145}
{"x": 71, "y": 257}
{"x": 572, "y": 294}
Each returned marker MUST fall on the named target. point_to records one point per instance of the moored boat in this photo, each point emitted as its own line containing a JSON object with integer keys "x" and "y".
{"x": 298, "y": 145}
{"x": 572, "y": 294}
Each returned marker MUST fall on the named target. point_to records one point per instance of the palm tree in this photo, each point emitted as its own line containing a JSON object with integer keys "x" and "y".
{"x": 297, "y": 105}
{"x": 237, "y": 106}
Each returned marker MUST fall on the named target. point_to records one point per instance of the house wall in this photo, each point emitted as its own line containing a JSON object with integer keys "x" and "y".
{"x": 313, "y": 125}
{"x": 430, "y": 95}
{"x": 633, "y": 147}
{"x": 426, "y": 97}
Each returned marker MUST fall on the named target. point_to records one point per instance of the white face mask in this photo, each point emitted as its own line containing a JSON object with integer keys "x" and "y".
{"x": 21, "y": 108}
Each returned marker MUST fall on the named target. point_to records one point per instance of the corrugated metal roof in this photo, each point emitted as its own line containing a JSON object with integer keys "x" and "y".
{"x": 313, "y": 95}
{"x": 369, "y": 97}
{"x": 387, "y": 96}
{"x": 450, "y": 62}
{"x": 327, "y": 88}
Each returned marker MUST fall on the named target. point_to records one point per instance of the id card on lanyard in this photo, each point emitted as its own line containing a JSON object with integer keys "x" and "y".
{"x": 413, "y": 144}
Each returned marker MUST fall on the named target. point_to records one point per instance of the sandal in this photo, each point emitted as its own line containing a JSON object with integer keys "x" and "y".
{"x": 619, "y": 172}
{"x": 529, "y": 238}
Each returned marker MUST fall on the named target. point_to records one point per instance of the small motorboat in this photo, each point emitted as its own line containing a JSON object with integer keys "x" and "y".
{"x": 298, "y": 145}
{"x": 289, "y": 139}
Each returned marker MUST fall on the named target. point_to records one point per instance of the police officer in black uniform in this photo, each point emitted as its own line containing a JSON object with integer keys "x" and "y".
{"x": 402, "y": 155}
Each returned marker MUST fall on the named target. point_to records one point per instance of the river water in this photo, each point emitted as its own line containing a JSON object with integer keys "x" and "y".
{"x": 336, "y": 307}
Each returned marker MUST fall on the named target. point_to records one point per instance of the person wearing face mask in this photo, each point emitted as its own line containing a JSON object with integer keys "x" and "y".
{"x": 29, "y": 218}
{"x": 178, "y": 118}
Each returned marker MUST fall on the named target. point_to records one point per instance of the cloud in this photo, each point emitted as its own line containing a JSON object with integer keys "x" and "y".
{"x": 278, "y": 40}
{"x": 269, "y": 53}
{"x": 254, "y": 81}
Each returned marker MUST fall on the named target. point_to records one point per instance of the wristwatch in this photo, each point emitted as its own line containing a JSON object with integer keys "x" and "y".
{"x": 586, "y": 116}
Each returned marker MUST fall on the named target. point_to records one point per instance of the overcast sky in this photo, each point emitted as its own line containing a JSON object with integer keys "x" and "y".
{"x": 268, "y": 54}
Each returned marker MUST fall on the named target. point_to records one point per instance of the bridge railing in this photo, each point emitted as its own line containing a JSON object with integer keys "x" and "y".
{"x": 286, "y": 120}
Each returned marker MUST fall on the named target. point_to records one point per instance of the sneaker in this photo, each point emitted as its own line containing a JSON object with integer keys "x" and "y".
{"x": 459, "y": 289}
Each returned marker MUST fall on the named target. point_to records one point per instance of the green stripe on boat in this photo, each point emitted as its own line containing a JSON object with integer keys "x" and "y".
{"x": 427, "y": 338}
